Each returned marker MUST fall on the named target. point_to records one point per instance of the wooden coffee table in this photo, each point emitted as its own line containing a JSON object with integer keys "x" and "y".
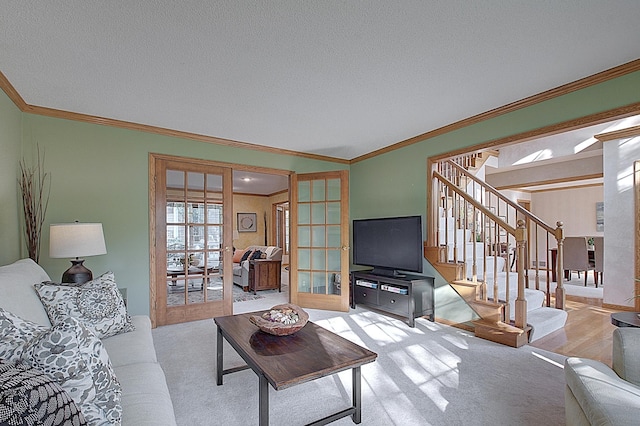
{"x": 285, "y": 361}
{"x": 625, "y": 319}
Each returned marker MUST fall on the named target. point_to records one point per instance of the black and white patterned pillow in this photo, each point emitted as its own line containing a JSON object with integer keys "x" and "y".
{"x": 72, "y": 355}
{"x": 15, "y": 333}
{"x": 98, "y": 304}
{"x": 30, "y": 397}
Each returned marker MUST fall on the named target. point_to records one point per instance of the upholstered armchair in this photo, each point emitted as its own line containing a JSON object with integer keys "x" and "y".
{"x": 598, "y": 395}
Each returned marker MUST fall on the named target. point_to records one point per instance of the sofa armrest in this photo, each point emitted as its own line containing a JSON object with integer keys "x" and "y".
{"x": 605, "y": 398}
{"x": 626, "y": 353}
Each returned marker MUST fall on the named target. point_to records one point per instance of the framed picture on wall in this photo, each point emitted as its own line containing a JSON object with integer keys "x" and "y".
{"x": 247, "y": 222}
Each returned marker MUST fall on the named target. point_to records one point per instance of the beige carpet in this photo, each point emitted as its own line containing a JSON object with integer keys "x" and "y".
{"x": 432, "y": 374}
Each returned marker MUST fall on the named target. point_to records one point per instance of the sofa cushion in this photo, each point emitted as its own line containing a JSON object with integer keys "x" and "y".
{"x": 75, "y": 357}
{"x": 30, "y": 397}
{"x": 97, "y": 304}
{"x": 255, "y": 255}
{"x": 133, "y": 347}
{"x": 17, "y": 293}
{"x": 145, "y": 396}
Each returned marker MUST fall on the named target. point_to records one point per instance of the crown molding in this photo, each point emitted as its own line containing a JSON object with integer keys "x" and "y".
{"x": 629, "y": 132}
{"x": 12, "y": 93}
{"x": 583, "y": 83}
{"x": 594, "y": 79}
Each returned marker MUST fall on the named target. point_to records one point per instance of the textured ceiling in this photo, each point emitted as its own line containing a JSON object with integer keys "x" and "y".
{"x": 335, "y": 78}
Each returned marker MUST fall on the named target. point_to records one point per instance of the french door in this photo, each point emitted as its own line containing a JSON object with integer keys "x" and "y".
{"x": 319, "y": 236}
{"x": 191, "y": 221}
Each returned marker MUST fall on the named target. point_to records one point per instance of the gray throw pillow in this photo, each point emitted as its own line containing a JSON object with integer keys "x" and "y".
{"x": 98, "y": 304}
{"x": 74, "y": 357}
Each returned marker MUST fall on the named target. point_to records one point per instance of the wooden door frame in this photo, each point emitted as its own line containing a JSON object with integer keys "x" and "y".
{"x": 161, "y": 314}
{"x": 153, "y": 159}
{"x": 274, "y": 224}
{"x": 327, "y": 302}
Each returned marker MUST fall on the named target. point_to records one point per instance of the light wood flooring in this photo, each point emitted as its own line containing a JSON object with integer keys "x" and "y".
{"x": 587, "y": 333}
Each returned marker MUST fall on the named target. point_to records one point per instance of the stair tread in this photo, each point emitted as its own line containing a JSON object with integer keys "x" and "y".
{"x": 502, "y": 326}
{"x": 468, "y": 283}
{"x": 489, "y": 303}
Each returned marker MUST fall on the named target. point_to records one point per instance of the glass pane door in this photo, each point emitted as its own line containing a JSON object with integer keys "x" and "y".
{"x": 192, "y": 220}
{"x": 194, "y": 237}
{"x": 320, "y": 256}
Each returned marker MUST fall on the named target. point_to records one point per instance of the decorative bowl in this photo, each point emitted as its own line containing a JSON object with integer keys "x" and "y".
{"x": 281, "y": 320}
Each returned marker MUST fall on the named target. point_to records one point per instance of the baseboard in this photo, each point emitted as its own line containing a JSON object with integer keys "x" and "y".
{"x": 619, "y": 307}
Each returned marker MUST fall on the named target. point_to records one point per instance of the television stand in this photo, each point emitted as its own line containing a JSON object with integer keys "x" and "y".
{"x": 387, "y": 273}
{"x": 409, "y": 296}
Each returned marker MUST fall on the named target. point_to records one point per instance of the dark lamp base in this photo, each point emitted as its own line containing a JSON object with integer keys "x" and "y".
{"x": 77, "y": 274}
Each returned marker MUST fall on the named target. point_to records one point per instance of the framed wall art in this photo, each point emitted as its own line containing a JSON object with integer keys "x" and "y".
{"x": 247, "y": 222}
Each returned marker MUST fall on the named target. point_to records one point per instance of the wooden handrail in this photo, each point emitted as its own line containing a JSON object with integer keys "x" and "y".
{"x": 461, "y": 184}
{"x": 497, "y": 193}
{"x": 510, "y": 229}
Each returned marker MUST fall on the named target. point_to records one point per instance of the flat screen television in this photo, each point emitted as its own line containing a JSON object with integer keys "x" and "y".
{"x": 389, "y": 244}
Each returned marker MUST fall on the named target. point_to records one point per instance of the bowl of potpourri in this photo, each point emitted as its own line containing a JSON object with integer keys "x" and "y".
{"x": 281, "y": 320}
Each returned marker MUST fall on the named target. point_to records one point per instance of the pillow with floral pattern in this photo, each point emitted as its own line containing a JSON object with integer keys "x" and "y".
{"x": 98, "y": 304}
{"x": 73, "y": 356}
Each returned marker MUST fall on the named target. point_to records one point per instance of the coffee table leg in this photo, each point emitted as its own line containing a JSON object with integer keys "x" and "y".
{"x": 219, "y": 360}
{"x": 357, "y": 396}
{"x": 263, "y": 395}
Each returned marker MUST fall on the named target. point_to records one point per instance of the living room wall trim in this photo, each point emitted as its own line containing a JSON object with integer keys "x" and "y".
{"x": 583, "y": 83}
{"x": 595, "y": 79}
{"x": 565, "y": 126}
{"x": 13, "y": 94}
{"x": 619, "y": 134}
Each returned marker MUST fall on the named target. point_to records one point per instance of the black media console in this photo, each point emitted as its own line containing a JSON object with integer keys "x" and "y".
{"x": 409, "y": 296}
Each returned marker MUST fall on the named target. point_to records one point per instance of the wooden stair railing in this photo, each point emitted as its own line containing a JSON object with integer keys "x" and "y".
{"x": 483, "y": 212}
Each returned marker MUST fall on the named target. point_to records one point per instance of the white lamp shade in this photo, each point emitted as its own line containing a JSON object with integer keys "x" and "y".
{"x": 76, "y": 240}
{"x": 236, "y": 235}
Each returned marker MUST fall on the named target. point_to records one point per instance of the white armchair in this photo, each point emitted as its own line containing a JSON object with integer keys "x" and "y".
{"x": 598, "y": 395}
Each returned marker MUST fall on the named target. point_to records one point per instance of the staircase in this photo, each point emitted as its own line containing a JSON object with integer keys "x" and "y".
{"x": 479, "y": 242}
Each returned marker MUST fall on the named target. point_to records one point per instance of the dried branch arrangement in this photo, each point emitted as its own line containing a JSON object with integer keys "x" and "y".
{"x": 35, "y": 186}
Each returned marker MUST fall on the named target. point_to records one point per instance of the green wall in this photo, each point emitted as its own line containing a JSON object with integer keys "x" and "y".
{"x": 100, "y": 174}
{"x": 395, "y": 183}
{"x": 10, "y": 154}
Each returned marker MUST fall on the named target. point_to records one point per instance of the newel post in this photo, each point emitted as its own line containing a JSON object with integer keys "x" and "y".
{"x": 560, "y": 295}
{"x": 521, "y": 302}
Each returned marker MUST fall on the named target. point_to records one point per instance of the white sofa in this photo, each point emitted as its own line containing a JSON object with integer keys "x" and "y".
{"x": 145, "y": 397}
{"x": 598, "y": 395}
{"x": 241, "y": 269}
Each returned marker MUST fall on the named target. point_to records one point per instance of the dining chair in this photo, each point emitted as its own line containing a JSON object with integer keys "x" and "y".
{"x": 598, "y": 245}
{"x": 576, "y": 256}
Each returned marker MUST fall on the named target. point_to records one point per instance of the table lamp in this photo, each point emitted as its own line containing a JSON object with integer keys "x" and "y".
{"x": 76, "y": 240}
